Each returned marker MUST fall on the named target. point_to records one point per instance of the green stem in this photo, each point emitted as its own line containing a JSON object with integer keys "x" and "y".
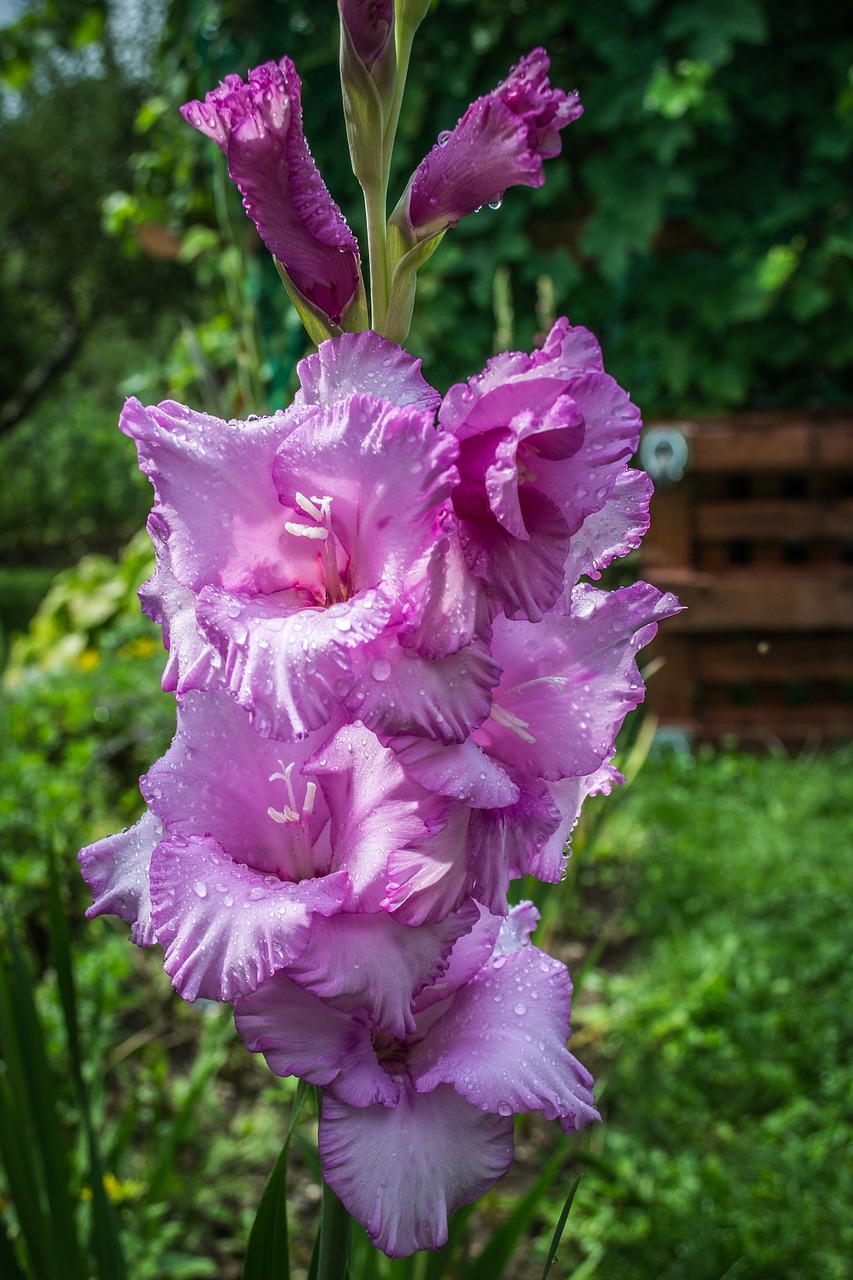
{"x": 335, "y": 1233}
{"x": 405, "y": 36}
{"x": 375, "y": 206}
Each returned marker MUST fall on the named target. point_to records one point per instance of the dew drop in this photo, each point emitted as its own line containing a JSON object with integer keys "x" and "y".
{"x": 200, "y": 888}
{"x": 381, "y": 669}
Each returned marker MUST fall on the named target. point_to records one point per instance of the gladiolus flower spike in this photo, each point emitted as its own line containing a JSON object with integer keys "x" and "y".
{"x": 395, "y": 683}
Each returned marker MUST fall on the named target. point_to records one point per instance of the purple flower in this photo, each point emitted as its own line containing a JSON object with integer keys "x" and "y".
{"x": 287, "y": 544}
{"x": 544, "y": 439}
{"x": 566, "y": 685}
{"x": 489, "y": 1041}
{"x": 258, "y": 126}
{"x": 500, "y": 142}
{"x": 279, "y": 862}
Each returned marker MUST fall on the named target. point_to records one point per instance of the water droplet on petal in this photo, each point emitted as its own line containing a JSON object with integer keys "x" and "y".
{"x": 200, "y": 888}
{"x": 381, "y": 669}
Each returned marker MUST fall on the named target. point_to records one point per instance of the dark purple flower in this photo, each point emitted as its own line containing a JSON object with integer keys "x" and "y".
{"x": 369, "y": 25}
{"x": 500, "y": 142}
{"x": 258, "y": 126}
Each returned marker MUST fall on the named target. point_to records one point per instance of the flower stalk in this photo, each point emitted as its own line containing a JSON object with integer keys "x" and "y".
{"x": 395, "y": 685}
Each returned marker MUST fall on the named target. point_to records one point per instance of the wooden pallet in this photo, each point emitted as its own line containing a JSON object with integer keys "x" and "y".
{"x": 757, "y": 542}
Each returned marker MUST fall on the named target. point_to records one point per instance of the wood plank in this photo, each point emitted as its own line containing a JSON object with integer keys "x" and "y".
{"x": 761, "y": 658}
{"x": 670, "y": 685}
{"x": 768, "y": 441}
{"x": 770, "y": 599}
{"x": 821, "y": 721}
{"x": 670, "y": 539}
{"x": 737, "y": 447}
{"x": 774, "y": 519}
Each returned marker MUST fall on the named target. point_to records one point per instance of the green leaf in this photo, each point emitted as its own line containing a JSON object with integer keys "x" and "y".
{"x": 560, "y": 1227}
{"x": 267, "y": 1251}
{"x": 268, "y": 1248}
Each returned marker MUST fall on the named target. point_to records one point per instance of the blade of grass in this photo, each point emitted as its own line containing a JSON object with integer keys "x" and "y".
{"x": 560, "y": 1227}
{"x": 106, "y": 1241}
{"x": 10, "y": 1268}
{"x": 492, "y": 1261}
{"x": 35, "y": 1087}
{"x": 267, "y": 1251}
{"x": 17, "y": 1147}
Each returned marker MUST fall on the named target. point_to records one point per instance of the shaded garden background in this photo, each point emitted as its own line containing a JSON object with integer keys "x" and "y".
{"x": 700, "y": 221}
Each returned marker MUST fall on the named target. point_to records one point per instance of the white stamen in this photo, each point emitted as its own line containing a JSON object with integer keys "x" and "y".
{"x": 283, "y": 815}
{"x": 512, "y": 722}
{"x": 307, "y": 530}
{"x": 318, "y": 509}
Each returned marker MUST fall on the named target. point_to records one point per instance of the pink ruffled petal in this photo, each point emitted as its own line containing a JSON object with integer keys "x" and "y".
{"x": 506, "y": 844}
{"x": 375, "y": 809}
{"x": 583, "y": 483}
{"x": 215, "y": 495}
{"x": 373, "y": 962}
{"x": 612, "y": 531}
{"x": 500, "y": 142}
{"x": 514, "y": 381}
{"x": 502, "y": 1042}
{"x": 402, "y": 1170}
{"x": 487, "y": 152}
{"x": 289, "y": 668}
{"x": 116, "y": 870}
{"x": 396, "y": 691}
{"x": 458, "y": 770}
{"x": 431, "y": 878}
{"x": 548, "y": 861}
{"x": 363, "y": 362}
{"x": 524, "y": 578}
{"x": 220, "y": 778}
{"x": 534, "y": 442}
{"x": 451, "y": 606}
{"x": 224, "y": 927}
{"x": 193, "y": 663}
{"x": 300, "y": 1035}
{"x": 569, "y": 682}
{"x": 467, "y": 958}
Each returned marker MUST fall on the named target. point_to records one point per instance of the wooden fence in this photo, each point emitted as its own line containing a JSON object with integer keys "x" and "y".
{"x": 756, "y": 538}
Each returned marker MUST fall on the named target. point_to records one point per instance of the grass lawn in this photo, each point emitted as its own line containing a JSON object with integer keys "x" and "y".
{"x": 719, "y": 1024}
